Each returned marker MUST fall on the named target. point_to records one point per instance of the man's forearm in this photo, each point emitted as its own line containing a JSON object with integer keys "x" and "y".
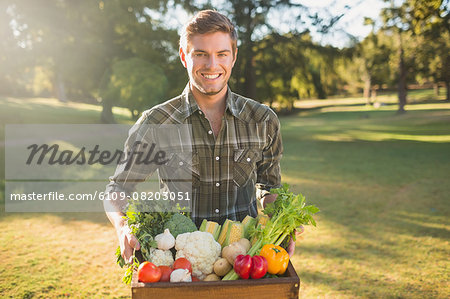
{"x": 114, "y": 213}
{"x": 268, "y": 199}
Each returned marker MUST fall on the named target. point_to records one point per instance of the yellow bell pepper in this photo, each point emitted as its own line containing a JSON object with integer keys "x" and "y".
{"x": 277, "y": 258}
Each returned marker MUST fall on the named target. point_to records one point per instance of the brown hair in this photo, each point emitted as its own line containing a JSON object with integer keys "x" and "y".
{"x": 208, "y": 21}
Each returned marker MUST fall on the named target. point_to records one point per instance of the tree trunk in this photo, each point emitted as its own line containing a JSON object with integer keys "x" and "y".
{"x": 249, "y": 73}
{"x": 436, "y": 88}
{"x": 60, "y": 88}
{"x": 402, "y": 79}
{"x": 107, "y": 117}
{"x": 447, "y": 86}
{"x": 373, "y": 94}
{"x": 367, "y": 88}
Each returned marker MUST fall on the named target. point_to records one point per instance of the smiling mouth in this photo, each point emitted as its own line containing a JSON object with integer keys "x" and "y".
{"x": 211, "y": 76}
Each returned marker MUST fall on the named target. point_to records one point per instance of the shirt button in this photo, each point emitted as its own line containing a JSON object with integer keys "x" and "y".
{"x": 217, "y": 184}
{"x": 248, "y": 159}
{"x": 200, "y": 112}
{"x": 217, "y": 211}
{"x": 217, "y": 158}
{"x": 209, "y": 132}
{"x": 181, "y": 163}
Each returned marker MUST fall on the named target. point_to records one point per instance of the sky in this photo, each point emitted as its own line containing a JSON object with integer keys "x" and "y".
{"x": 353, "y": 19}
{"x": 351, "y": 22}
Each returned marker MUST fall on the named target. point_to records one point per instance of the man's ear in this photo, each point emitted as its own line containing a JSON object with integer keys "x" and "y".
{"x": 235, "y": 56}
{"x": 183, "y": 57}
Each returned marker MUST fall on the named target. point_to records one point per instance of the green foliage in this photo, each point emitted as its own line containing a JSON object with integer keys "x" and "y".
{"x": 135, "y": 84}
{"x": 291, "y": 66}
{"x": 180, "y": 224}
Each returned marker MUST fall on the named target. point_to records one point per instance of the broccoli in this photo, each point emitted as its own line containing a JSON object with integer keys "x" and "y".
{"x": 179, "y": 224}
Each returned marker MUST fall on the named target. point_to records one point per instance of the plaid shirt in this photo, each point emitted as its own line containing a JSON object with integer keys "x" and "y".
{"x": 230, "y": 171}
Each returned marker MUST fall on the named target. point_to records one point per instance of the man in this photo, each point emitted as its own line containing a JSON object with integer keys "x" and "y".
{"x": 236, "y": 148}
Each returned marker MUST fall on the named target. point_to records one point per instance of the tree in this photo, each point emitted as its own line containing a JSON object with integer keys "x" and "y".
{"x": 75, "y": 43}
{"x": 371, "y": 54}
{"x": 430, "y": 21}
{"x": 136, "y": 84}
{"x": 417, "y": 18}
{"x": 292, "y": 66}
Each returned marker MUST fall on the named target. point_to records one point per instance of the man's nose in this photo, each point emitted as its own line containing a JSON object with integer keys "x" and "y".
{"x": 212, "y": 61}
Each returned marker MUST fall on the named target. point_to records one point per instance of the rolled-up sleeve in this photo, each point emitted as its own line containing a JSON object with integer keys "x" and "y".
{"x": 128, "y": 173}
{"x": 268, "y": 169}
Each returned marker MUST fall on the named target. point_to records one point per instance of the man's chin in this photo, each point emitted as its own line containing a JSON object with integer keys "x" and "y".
{"x": 212, "y": 92}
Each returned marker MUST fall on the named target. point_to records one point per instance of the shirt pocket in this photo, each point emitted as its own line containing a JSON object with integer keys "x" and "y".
{"x": 244, "y": 164}
{"x": 183, "y": 167}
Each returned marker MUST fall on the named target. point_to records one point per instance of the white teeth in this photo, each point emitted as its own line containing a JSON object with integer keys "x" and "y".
{"x": 211, "y": 76}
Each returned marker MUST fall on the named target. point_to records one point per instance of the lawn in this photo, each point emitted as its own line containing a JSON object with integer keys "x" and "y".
{"x": 381, "y": 181}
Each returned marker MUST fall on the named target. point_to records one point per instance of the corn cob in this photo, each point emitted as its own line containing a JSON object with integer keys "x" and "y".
{"x": 210, "y": 227}
{"x": 231, "y": 232}
{"x": 223, "y": 232}
{"x": 234, "y": 232}
{"x": 248, "y": 223}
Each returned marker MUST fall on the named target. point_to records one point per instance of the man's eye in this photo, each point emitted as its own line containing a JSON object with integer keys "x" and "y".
{"x": 199, "y": 54}
{"x": 222, "y": 55}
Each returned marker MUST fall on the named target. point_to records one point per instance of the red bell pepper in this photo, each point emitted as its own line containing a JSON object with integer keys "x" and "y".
{"x": 247, "y": 266}
{"x": 259, "y": 267}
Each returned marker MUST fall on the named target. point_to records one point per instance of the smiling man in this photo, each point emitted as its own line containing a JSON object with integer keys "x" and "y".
{"x": 236, "y": 141}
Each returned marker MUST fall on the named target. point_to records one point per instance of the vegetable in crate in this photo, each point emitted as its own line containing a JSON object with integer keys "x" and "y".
{"x": 200, "y": 249}
{"x": 247, "y": 266}
{"x": 148, "y": 272}
{"x": 231, "y": 251}
{"x": 182, "y": 263}
{"x": 160, "y": 257}
{"x": 288, "y": 212}
{"x": 145, "y": 226}
{"x": 277, "y": 258}
{"x": 222, "y": 266}
{"x": 210, "y": 227}
{"x": 180, "y": 224}
{"x": 231, "y": 232}
{"x": 180, "y": 275}
{"x": 165, "y": 241}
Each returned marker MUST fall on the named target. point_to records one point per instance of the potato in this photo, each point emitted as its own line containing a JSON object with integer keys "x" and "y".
{"x": 245, "y": 243}
{"x": 222, "y": 267}
{"x": 211, "y": 277}
{"x": 231, "y": 251}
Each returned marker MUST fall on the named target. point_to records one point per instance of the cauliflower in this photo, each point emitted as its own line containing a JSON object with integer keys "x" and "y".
{"x": 179, "y": 224}
{"x": 161, "y": 257}
{"x": 200, "y": 249}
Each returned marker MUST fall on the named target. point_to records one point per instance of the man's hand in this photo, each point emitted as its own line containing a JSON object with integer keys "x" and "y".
{"x": 291, "y": 244}
{"x": 128, "y": 242}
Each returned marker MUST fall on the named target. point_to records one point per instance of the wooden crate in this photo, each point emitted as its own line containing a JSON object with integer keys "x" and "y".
{"x": 286, "y": 286}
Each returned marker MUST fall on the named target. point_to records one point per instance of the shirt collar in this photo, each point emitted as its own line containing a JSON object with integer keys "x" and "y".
{"x": 189, "y": 105}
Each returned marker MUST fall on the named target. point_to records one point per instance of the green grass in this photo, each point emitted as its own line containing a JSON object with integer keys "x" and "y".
{"x": 381, "y": 182}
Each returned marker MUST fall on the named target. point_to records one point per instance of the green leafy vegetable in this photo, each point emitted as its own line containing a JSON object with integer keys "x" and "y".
{"x": 145, "y": 226}
{"x": 179, "y": 224}
{"x": 287, "y": 212}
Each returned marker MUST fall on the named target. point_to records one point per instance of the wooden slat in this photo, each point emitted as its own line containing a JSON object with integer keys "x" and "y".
{"x": 270, "y": 288}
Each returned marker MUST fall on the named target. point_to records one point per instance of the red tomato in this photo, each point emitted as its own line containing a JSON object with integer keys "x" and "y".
{"x": 195, "y": 278}
{"x": 182, "y": 263}
{"x": 165, "y": 273}
{"x": 148, "y": 272}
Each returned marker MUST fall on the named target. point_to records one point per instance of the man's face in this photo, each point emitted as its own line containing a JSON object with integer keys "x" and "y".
{"x": 209, "y": 61}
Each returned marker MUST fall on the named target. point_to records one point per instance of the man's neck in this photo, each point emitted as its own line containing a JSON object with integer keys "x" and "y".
{"x": 210, "y": 103}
